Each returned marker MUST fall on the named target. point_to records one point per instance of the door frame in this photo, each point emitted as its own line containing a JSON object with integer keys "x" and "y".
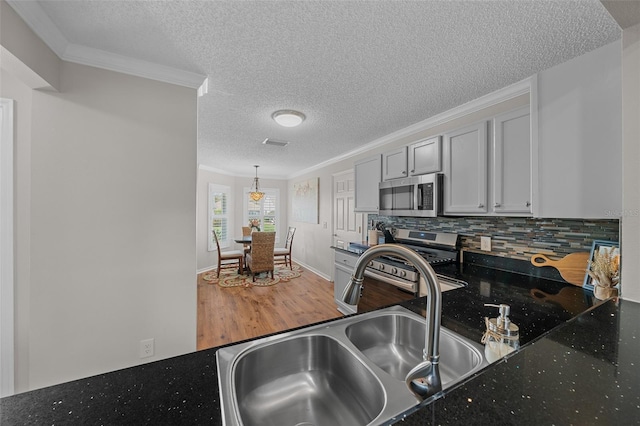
{"x": 6, "y": 248}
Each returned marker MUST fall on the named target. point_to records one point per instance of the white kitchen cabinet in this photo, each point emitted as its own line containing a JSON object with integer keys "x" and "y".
{"x": 394, "y": 164}
{"x": 465, "y": 169}
{"x": 425, "y": 156}
{"x": 368, "y": 175}
{"x": 580, "y": 153}
{"x": 344, "y": 263}
{"x": 511, "y": 180}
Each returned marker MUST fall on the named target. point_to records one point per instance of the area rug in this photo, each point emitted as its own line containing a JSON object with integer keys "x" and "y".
{"x": 230, "y": 278}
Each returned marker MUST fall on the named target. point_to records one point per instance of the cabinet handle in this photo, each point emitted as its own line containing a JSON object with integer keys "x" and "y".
{"x": 412, "y": 171}
{"x": 480, "y": 205}
{"x": 496, "y": 205}
{"x": 528, "y": 204}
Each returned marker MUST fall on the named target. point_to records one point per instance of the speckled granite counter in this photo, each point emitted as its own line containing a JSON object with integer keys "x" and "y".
{"x": 584, "y": 372}
{"x": 560, "y": 366}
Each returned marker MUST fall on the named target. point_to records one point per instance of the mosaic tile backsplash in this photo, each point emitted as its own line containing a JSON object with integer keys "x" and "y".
{"x": 514, "y": 237}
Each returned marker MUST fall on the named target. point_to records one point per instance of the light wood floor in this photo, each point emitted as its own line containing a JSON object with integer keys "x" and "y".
{"x": 227, "y": 315}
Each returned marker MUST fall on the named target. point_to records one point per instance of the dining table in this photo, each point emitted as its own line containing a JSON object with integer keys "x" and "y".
{"x": 245, "y": 239}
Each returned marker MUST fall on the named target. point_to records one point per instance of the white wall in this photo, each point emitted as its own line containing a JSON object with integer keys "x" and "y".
{"x": 631, "y": 149}
{"x": 113, "y": 186}
{"x": 105, "y": 190}
{"x": 580, "y": 136}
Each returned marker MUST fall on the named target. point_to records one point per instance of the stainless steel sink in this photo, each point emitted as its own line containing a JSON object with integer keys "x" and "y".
{"x": 395, "y": 343}
{"x": 345, "y": 372}
{"x": 308, "y": 380}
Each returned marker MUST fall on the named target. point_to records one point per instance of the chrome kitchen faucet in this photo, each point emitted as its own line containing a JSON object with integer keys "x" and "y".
{"x": 424, "y": 379}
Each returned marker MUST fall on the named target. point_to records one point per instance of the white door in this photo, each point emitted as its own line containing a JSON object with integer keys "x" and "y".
{"x": 347, "y": 224}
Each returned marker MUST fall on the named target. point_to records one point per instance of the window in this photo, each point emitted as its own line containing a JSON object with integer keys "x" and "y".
{"x": 263, "y": 214}
{"x": 219, "y": 215}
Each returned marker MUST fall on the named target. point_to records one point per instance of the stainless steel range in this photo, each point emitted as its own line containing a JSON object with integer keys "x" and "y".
{"x": 438, "y": 248}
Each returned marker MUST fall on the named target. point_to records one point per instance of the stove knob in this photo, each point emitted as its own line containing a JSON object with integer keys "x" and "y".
{"x": 394, "y": 270}
{"x": 403, "y": 273}
{"x": 381, "y": 267}
{"x": 371, "y": 263}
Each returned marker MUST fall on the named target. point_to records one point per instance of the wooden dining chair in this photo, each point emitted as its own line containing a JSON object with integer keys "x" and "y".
{"x": 285, "y": 252}
{"x": 235, "y": 255}
{"x": 260, "y": 257}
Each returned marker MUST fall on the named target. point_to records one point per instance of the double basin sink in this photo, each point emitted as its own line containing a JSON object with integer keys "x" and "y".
{"x": 347, "y": 372}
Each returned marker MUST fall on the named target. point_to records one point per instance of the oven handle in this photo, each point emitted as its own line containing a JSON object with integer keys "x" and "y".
{"x": 405, "y": 285}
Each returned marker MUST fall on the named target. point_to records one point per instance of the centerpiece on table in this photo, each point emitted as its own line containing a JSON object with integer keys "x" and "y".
{"x": 254, "y": 224}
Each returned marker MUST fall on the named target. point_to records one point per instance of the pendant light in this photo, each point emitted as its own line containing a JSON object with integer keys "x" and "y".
{"x": 255, "y": 193}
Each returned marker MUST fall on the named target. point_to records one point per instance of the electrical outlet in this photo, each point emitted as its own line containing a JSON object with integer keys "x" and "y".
{"x": 146, "y": 348}
{"x": 485, "y": 243}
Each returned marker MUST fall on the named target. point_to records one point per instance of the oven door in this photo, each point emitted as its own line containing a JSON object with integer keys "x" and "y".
{"x": 378, "y": 294}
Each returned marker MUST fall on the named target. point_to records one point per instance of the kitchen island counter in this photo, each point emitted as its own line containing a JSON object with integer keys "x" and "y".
{"x": 563, "y": 357}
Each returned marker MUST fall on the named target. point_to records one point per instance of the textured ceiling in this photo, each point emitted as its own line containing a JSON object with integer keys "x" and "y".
{"x": 359, "y": 70}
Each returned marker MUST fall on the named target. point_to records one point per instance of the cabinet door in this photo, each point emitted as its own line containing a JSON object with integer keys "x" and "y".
{"x": 512, "y": 162}
{"x": 465, "y": 153}
{"x": 344, "y": 264}
{"x": 368, "y": 174}
{"x": 394, "y": 163}
{"x": 424, "y": 157}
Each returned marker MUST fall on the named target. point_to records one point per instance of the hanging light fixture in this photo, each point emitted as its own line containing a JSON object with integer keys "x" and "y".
{"x": 255, "y": 193}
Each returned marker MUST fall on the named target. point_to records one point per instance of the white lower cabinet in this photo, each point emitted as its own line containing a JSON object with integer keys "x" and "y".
{"x": 465, "y": 170}
{"x": 344, "y": 264}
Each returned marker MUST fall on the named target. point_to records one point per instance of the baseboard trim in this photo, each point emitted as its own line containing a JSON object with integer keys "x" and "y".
{"x": 315, "y": 271}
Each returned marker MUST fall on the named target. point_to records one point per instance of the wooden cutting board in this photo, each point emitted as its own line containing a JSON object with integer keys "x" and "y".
{"x": 572, "y": 267}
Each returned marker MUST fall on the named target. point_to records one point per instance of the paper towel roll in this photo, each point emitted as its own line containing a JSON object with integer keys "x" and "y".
{"x": 373, "y": 237}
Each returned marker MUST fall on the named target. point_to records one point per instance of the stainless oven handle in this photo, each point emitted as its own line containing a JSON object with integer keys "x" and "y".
{"x": 416, "y": 196}
{"x": 406, "y": 285}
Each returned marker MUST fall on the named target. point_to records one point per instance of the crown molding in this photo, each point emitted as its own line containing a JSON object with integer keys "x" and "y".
{"x": 40, "y": 23}
{"x": 43, "y": 26}
{"x": 242, "y": 175}
{"x": 127, "y": 65}
{"x": 500, "y": 95}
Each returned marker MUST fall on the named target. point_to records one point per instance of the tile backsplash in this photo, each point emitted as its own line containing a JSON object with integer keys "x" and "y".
{"x": 515, "y": 237}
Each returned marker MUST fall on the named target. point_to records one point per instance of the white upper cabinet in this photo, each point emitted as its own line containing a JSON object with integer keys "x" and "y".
{"x": 512, "y": 162}
{"x": 368, "y": 175}
{"x": 465, "y": 169}
{"x": 394, "y": 164}
{"x": 424, "y": 156}
{"x": 580, "y": 137}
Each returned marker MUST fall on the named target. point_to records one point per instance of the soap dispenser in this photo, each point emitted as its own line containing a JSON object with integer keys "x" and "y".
{"x": 501, "y": 336}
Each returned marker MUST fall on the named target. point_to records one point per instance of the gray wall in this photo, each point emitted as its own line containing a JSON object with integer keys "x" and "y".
{"x": 105, "y": 222}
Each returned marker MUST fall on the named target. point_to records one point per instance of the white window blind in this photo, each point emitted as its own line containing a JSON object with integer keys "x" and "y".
{"x": 219, "y": 200}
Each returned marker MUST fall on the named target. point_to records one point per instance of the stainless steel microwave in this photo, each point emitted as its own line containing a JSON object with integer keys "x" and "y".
{"x": 413, "y": 196}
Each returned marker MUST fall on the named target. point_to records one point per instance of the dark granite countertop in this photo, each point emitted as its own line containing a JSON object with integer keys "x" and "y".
{"x": 572, "y": 368}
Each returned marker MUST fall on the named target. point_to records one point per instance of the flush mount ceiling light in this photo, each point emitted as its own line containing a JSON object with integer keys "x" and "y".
{"x": 288, "y": 117}
{"x": 255, "y": 193}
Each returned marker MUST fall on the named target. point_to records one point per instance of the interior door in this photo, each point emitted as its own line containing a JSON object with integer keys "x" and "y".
{"x": 347, "y": 224}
